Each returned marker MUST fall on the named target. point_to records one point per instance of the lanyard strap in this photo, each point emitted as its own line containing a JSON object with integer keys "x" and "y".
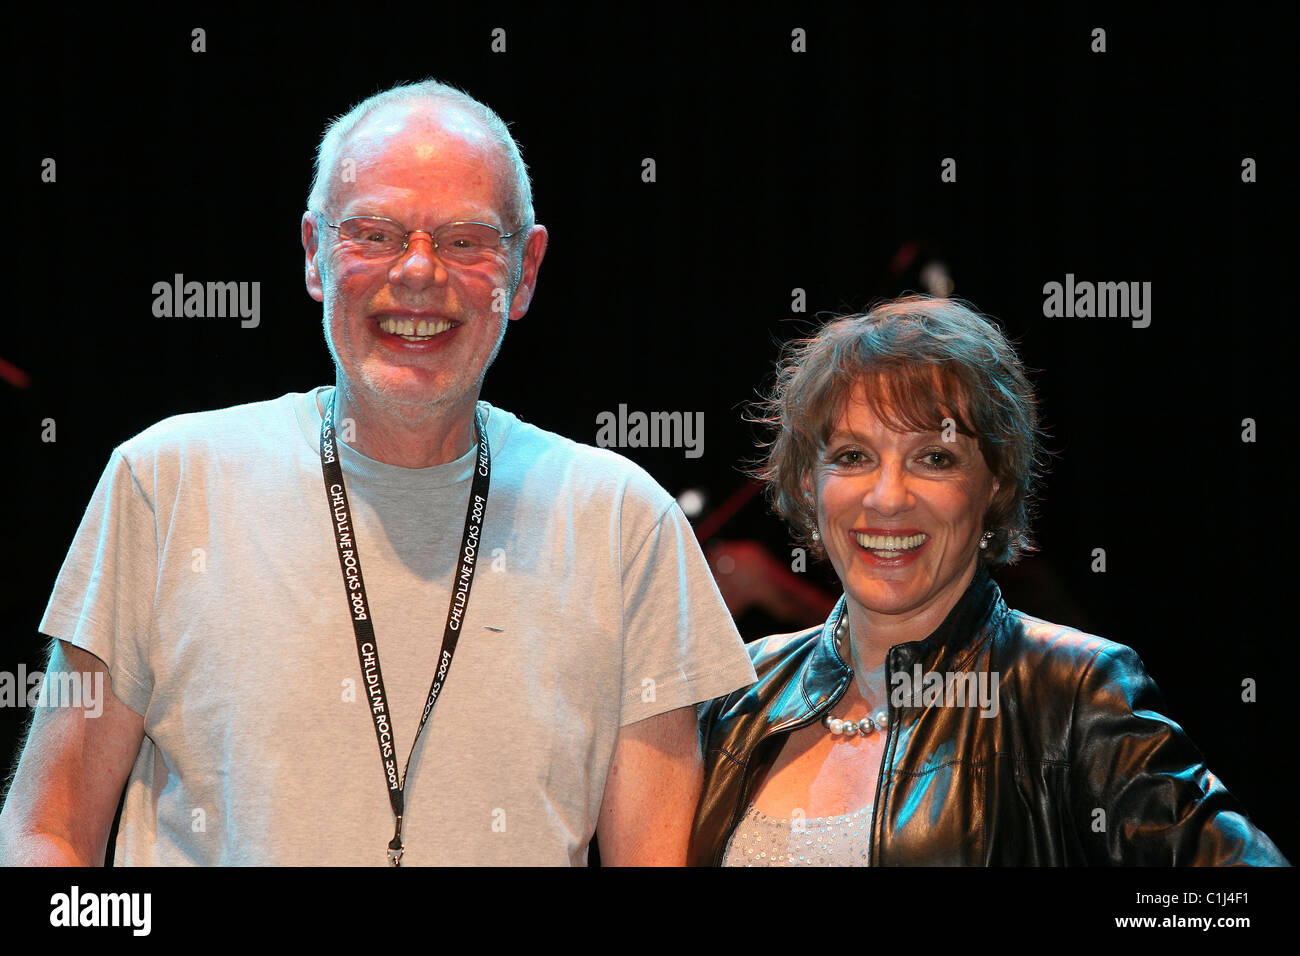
{"x": 359, "y": 607}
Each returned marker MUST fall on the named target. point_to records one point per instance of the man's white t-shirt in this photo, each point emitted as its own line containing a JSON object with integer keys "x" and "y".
{"x": 205, "y": 575}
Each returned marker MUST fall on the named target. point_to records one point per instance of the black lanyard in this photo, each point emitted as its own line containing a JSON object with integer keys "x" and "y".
{"x": 359, "y": 608}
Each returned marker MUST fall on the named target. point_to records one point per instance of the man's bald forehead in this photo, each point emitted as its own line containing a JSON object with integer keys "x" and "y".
{"x": 438, "y": 119}
{"x": 426, "y": 121}
{"x": 430, "y": 131}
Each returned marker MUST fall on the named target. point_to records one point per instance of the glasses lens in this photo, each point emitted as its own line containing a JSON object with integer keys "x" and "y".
{"x": 467, "y": 241}
{"x": 372, "y": 238}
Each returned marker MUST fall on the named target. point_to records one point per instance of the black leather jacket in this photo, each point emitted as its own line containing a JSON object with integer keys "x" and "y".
{"x": 1077, "y": 767}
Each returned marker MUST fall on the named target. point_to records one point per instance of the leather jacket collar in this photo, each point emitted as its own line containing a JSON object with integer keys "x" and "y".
{"x": 824, "y": 675}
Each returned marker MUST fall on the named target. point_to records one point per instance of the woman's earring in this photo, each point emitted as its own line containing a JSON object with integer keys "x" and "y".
{"x": 985, "y": 538}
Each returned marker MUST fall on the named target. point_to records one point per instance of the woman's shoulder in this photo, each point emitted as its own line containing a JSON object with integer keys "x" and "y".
{"x": 777, "y": 659}
{"x": 773, "y": 651}
{"x": 1045, "y": 649}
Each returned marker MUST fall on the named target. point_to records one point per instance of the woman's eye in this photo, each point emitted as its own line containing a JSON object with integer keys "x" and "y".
{"x": 850, "y": 457}
{"x": 938, "y": 459}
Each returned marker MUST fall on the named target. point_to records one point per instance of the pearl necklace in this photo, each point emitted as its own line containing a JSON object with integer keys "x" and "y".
{"x": 852, "y": 728}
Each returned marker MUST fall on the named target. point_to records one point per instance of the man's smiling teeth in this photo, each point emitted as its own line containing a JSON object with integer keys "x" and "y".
{"x": 412, "y": 329}
{"x": 889, "y": 545}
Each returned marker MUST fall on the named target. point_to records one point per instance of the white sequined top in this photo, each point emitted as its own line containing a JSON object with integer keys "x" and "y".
{"x": 760, "y": 840}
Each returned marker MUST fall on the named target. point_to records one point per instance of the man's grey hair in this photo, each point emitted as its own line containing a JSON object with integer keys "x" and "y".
{"x": 519, "y": 205}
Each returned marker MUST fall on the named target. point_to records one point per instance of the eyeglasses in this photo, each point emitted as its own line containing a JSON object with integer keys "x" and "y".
{"x": 464, "y": 243}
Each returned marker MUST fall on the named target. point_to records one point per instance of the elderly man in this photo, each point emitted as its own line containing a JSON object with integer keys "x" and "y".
{"x": 542, "y": 614}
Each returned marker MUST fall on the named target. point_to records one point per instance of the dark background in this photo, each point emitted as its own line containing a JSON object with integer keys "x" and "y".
{"x": 775, "y": 170}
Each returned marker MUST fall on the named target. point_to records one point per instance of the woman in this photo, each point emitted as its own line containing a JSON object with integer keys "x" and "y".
{"x": 925, "y": 722}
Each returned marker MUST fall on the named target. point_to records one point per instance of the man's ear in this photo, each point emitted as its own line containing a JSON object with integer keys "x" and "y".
{"x": 311, "y": 247}
{"x": 534, "y": 252}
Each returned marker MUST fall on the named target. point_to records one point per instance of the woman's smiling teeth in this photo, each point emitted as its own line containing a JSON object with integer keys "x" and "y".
{"x": 889, "y": 545}
{"x": 414, "y": 330}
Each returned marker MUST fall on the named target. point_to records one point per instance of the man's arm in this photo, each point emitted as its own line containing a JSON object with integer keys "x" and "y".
{"x": 69, "y": 780}
{"x": 650, "y": 795}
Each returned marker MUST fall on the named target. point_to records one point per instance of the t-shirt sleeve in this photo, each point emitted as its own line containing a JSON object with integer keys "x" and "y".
{"x": 104, "y": 596}
{"x": 680, "y": 643}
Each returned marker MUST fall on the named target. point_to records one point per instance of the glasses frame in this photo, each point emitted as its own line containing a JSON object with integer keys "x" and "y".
{"x": 407, "y": 233}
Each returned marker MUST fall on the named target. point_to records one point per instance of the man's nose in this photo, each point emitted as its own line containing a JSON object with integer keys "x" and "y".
{"x": 418, "y": 265}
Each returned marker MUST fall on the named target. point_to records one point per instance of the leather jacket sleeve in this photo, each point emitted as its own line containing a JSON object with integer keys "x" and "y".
{"x": 1141, "y": 793}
